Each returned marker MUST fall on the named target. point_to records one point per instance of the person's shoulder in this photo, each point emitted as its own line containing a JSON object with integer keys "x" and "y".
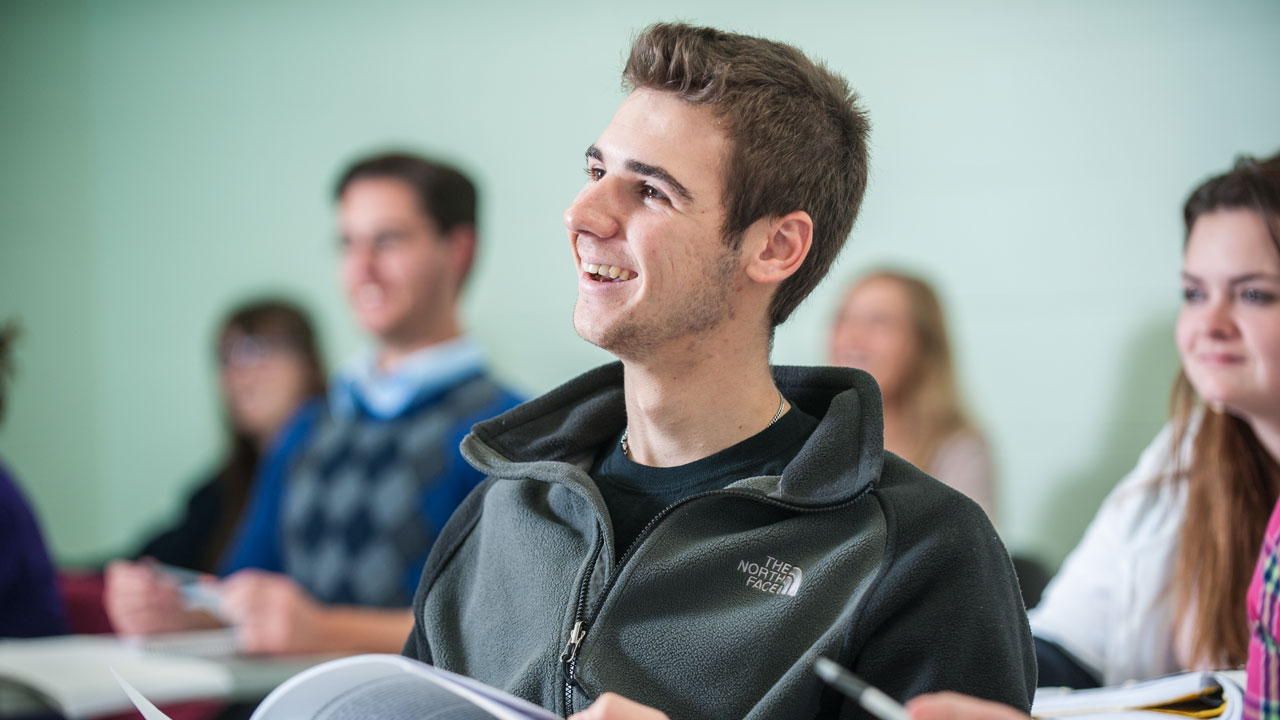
{"x": 483, "y": 396}
{"x": 941, "y": 546}
{"x": 207, "y": 491}
{"x": 1154, "y": 483}
{"x": 298, "y": 434}
{"x": 1143, "y": 513}
{"x": 964, "y": 461}
{"x": 903, "y": 483}
{"x": 8, "y": 486}
{"x": 966, "y": 441}
{"x": 506, "y": 397}
{"x": 16, "y": 515}
{"x": 303, "y": 422}
{"x": 922, "y": 510}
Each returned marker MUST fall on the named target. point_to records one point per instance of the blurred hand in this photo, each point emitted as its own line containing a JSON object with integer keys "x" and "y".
{"x": 142, "y": 601}
{"x": 272, "y": 614}
{"x": 612, "y": 706}
{"x": 954, "y": 706}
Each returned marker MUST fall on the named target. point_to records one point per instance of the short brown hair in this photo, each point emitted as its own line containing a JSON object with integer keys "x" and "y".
{"x": 798, "y": 140}
{"x": 445, "y": 195}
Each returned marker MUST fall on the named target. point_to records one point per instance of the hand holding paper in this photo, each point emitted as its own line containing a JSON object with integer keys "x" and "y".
{"x": 142, "y": 598}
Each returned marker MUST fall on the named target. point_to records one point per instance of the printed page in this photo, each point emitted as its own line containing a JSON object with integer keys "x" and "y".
{"x": 393, "y": 687}
{"x": 401, "y": 697}
{"x": 220, "y": 643}
{"x": 524, "y": 708}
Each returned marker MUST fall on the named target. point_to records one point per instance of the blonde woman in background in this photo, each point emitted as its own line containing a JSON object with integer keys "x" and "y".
{"x": 891, "y": 325}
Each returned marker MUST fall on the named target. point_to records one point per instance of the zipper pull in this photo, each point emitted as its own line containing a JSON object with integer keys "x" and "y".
{"x": 575, "y": 640}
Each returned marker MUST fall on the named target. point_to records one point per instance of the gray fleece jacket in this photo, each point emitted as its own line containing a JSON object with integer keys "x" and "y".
{"x": 720, "y": 607}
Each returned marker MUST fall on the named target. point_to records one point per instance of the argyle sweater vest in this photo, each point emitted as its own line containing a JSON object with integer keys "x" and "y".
{"x": 368, "y": 496}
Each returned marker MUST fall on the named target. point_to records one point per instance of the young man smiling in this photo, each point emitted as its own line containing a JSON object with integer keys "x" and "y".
{"x": 690, "y": 528}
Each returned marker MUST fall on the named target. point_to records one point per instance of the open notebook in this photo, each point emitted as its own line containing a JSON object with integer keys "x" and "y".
{"x": 1195, "y": 694}
{"x": 381, "y": 686}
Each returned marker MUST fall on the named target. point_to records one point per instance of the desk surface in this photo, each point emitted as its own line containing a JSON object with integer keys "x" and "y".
{"x": 72, "y": 674}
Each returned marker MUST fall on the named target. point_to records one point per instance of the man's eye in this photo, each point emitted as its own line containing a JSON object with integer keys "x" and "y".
{"x": 652, "y": 193}
{"x": 1191, "y": 294}
{"x": 595, "y": 173}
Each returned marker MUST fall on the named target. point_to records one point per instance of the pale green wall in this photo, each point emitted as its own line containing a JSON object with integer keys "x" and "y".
{"x": 161, "y": 160}
{"x": 49, "y": 261}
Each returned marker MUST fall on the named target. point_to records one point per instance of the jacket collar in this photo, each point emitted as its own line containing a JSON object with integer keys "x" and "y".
{"x": 573, "y": 422}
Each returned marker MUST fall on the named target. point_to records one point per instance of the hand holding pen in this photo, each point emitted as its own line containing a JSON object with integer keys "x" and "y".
{"x": 931, "y": 706}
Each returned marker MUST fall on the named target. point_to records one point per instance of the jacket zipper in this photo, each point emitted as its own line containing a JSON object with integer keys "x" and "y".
{"x": 569, "y": 657}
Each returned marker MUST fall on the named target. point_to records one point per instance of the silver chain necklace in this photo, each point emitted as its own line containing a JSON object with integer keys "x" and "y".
{"x": 782, "y": 403}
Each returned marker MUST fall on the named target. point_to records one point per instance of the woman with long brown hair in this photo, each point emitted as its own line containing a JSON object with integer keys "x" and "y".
{"x": 1158, "y": 583}
{"x": 891, "y": 325}
{"x": 268, "y": 367}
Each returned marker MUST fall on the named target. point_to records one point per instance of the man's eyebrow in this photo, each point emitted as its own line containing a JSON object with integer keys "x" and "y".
{"x": 648, "y": 170}
{"x": 662, "y": 176}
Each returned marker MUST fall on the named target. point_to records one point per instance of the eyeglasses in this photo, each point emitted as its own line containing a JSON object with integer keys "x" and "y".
{"x": 252, "y": 350}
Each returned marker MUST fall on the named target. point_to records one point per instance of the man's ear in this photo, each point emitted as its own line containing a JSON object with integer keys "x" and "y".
{"x": 779, "y": 251}
{"x": 462, "y": 242}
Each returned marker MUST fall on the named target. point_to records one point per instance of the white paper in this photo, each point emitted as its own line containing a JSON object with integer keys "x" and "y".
{"x": 149, "y": 711}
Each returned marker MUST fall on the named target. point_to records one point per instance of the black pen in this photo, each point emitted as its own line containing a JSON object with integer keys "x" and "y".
{"x": 871, "y": 699}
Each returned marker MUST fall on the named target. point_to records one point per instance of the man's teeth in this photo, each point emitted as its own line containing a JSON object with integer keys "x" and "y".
{"x": 610, "y": 271}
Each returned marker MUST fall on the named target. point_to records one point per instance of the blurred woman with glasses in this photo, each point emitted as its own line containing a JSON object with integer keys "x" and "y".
{"x": 272, "y": 382}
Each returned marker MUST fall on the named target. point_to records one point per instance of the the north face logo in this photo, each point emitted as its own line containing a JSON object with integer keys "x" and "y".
{"x": 772, "y": 576}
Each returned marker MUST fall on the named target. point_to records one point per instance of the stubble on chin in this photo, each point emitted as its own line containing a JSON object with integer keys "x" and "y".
{"x": 698, "y": 310}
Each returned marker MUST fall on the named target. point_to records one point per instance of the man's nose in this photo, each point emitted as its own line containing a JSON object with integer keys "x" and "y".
{"x": 595, "y": 211}
{"x": 358, "y": 258}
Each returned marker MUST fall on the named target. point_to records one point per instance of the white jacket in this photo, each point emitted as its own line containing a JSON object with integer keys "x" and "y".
{"x": 1110, "y": 605}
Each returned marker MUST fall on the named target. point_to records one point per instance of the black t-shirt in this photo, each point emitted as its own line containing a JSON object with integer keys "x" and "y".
{"x": 635, "y": 493}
